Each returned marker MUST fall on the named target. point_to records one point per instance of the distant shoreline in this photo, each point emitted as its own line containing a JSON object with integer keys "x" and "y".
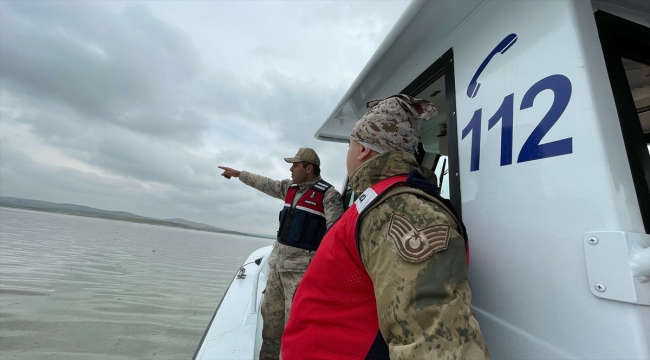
{"x": 128, "y": 219}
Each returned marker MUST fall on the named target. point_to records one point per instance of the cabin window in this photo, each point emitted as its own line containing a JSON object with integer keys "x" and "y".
{"x": 626, "y": 49}
{"x": 433, "y": 147}
{"x": 638, "y": 79}
{"x": 438, "y": 148}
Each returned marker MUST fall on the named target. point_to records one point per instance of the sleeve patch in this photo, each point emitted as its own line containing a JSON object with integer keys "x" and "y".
{"x": 415, "y": 245}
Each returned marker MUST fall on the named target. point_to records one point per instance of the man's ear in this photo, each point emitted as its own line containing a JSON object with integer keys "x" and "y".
{"x": 310, "y": 168}
{"x": 365, "y": 153}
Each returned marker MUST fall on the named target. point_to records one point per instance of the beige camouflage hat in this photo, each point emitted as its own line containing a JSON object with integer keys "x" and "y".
{"x": 393, "y": 124}
{"x": 304, "y": 154}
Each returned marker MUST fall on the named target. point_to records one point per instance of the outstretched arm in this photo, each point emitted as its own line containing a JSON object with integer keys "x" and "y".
{"x": 275, "y": 188}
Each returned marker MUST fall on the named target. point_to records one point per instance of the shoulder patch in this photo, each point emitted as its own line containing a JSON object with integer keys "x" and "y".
{"x": 415, "y": 245}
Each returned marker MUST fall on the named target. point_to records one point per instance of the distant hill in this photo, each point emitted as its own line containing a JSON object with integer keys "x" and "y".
{"x": 80, "y": 210}
{"x": 194, "y": 224}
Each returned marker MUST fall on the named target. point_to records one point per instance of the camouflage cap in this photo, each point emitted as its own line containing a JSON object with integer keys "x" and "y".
{"x": 393, "y": 124}
{"x": 304, "y": 154}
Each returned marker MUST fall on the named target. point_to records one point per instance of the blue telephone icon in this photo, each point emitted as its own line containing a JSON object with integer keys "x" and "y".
{"x": 503, "y": 46}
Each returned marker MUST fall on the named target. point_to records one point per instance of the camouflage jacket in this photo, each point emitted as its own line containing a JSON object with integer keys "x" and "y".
{"x": 423, "y": 303}
{"x": 293, "y": 259}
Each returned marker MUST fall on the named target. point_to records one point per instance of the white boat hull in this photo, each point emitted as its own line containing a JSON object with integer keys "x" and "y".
{"x": 236, "y": 327}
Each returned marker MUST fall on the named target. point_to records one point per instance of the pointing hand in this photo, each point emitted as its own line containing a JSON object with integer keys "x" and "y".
{"x": 229, "y": 172}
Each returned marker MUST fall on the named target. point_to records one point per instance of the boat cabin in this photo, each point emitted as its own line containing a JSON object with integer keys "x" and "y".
{"x": 541, "y": 143}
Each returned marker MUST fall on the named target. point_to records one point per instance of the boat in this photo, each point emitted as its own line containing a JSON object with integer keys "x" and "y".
{"x": 541, "y": 144}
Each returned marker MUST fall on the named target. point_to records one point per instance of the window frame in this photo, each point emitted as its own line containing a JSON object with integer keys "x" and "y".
{"x": 444, "y": 65}
{"x": 622, "y": 38}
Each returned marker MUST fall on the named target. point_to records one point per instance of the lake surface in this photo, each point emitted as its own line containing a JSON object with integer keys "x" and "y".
{"x": 84, "y": 288}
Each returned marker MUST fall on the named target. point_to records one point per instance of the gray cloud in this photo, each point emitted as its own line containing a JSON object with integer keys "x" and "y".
{"x": 123, "y": 69}
{"x": 152, "y": 97}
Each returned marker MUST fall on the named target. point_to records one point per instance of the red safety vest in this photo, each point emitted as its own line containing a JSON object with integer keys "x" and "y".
{"x": 334, "y": 310}
{"x": 305, "y": 225}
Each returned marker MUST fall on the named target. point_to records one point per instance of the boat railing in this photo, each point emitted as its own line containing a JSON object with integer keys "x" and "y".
{"x": 256, "y": 282}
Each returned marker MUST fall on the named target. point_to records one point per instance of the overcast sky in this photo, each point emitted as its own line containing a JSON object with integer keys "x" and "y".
{"x": 132, "y": 105}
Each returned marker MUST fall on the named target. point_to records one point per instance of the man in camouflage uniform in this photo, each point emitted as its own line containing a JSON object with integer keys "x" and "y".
{"x": 288, "y": 263}
{"x": 401, "y": 289}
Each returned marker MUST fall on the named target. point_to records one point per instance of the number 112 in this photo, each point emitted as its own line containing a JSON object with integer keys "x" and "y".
{"x": 532, "y": 149}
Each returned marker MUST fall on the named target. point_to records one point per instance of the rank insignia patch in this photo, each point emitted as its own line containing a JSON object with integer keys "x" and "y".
{"x": 415, "y": 245}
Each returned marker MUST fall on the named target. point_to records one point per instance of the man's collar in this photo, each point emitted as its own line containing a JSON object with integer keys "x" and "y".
{"x": 380, "y": 167}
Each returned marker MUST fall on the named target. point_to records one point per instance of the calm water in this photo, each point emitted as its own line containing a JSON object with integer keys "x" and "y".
{"x": 82, "y": 288}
